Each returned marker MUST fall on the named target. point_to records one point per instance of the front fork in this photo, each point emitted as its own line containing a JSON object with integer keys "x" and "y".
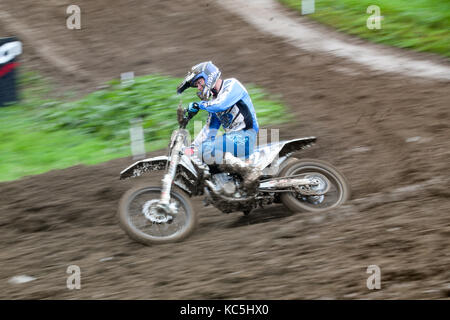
{"x": 175, "y": 156}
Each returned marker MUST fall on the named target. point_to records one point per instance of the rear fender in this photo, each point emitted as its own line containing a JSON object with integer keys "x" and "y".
{"x": 296, "y": 144}
{"x": 276, "y": 153}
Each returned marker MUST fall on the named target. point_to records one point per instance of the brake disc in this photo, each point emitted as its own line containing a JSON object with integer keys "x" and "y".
{"x": 318, "y": 187}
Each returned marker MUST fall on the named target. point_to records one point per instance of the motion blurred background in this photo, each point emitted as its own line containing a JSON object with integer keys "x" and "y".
{"x": 64, "y": 142}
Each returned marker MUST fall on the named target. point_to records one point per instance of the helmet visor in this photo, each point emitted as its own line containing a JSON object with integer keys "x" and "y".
{"x": 186, "y": 83}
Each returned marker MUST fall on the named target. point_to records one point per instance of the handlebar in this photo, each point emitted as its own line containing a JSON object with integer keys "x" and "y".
{"x": 184, "y": 116}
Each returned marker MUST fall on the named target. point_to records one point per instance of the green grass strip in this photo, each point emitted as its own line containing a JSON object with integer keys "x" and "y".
{"x": 420, "y": 25}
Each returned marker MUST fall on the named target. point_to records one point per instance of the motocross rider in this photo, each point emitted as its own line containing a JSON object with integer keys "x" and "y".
{"x": 229, "y": 105}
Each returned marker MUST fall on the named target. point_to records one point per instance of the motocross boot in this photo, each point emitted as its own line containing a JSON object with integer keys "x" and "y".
{"x": 249, "y": 173}
{"x": 202, "y": 167}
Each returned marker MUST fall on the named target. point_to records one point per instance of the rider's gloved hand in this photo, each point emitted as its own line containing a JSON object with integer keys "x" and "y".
{"x": 193, "y": 107}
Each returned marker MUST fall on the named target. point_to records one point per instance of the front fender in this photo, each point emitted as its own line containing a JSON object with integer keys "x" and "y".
{"x": 156, "y": 163}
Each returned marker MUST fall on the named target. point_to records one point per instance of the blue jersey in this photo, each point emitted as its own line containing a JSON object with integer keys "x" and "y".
{"x": 232, "y": 109}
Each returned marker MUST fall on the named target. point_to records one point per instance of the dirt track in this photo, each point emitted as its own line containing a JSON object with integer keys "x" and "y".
{"x": 362, "y": 119}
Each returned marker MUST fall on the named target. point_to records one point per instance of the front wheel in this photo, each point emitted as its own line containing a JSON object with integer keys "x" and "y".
{"x": 337, "y": 194}
{"x": 142, "y": 219}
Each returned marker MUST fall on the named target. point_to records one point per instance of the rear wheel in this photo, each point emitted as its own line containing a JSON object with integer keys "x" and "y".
{"x": 144, "y": 221}
{"x": 329, "y": 177}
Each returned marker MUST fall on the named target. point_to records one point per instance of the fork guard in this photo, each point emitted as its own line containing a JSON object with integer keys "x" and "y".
{"x": 157, "y": 163}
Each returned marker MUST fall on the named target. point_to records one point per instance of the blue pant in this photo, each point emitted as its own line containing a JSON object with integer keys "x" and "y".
{"x": 239, "y": 143}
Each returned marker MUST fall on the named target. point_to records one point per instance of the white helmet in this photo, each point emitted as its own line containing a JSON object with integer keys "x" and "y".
{"x": 206, "y": 70}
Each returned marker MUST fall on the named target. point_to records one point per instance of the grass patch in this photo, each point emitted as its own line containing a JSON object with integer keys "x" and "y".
{"x": 42, "y": 133}
{"x": 420, "y": 25}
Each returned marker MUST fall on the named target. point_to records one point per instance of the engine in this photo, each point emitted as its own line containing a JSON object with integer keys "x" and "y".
{"x": 225, "y": 184}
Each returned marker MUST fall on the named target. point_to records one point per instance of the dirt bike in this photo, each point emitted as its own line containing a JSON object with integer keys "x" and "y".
{"x": 161, "y": 214}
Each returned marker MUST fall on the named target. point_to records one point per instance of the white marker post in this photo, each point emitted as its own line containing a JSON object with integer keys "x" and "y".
{"x": 308, "y": 6}
{"x": 127, "y": 78}
{"x": 137, "y": 139}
